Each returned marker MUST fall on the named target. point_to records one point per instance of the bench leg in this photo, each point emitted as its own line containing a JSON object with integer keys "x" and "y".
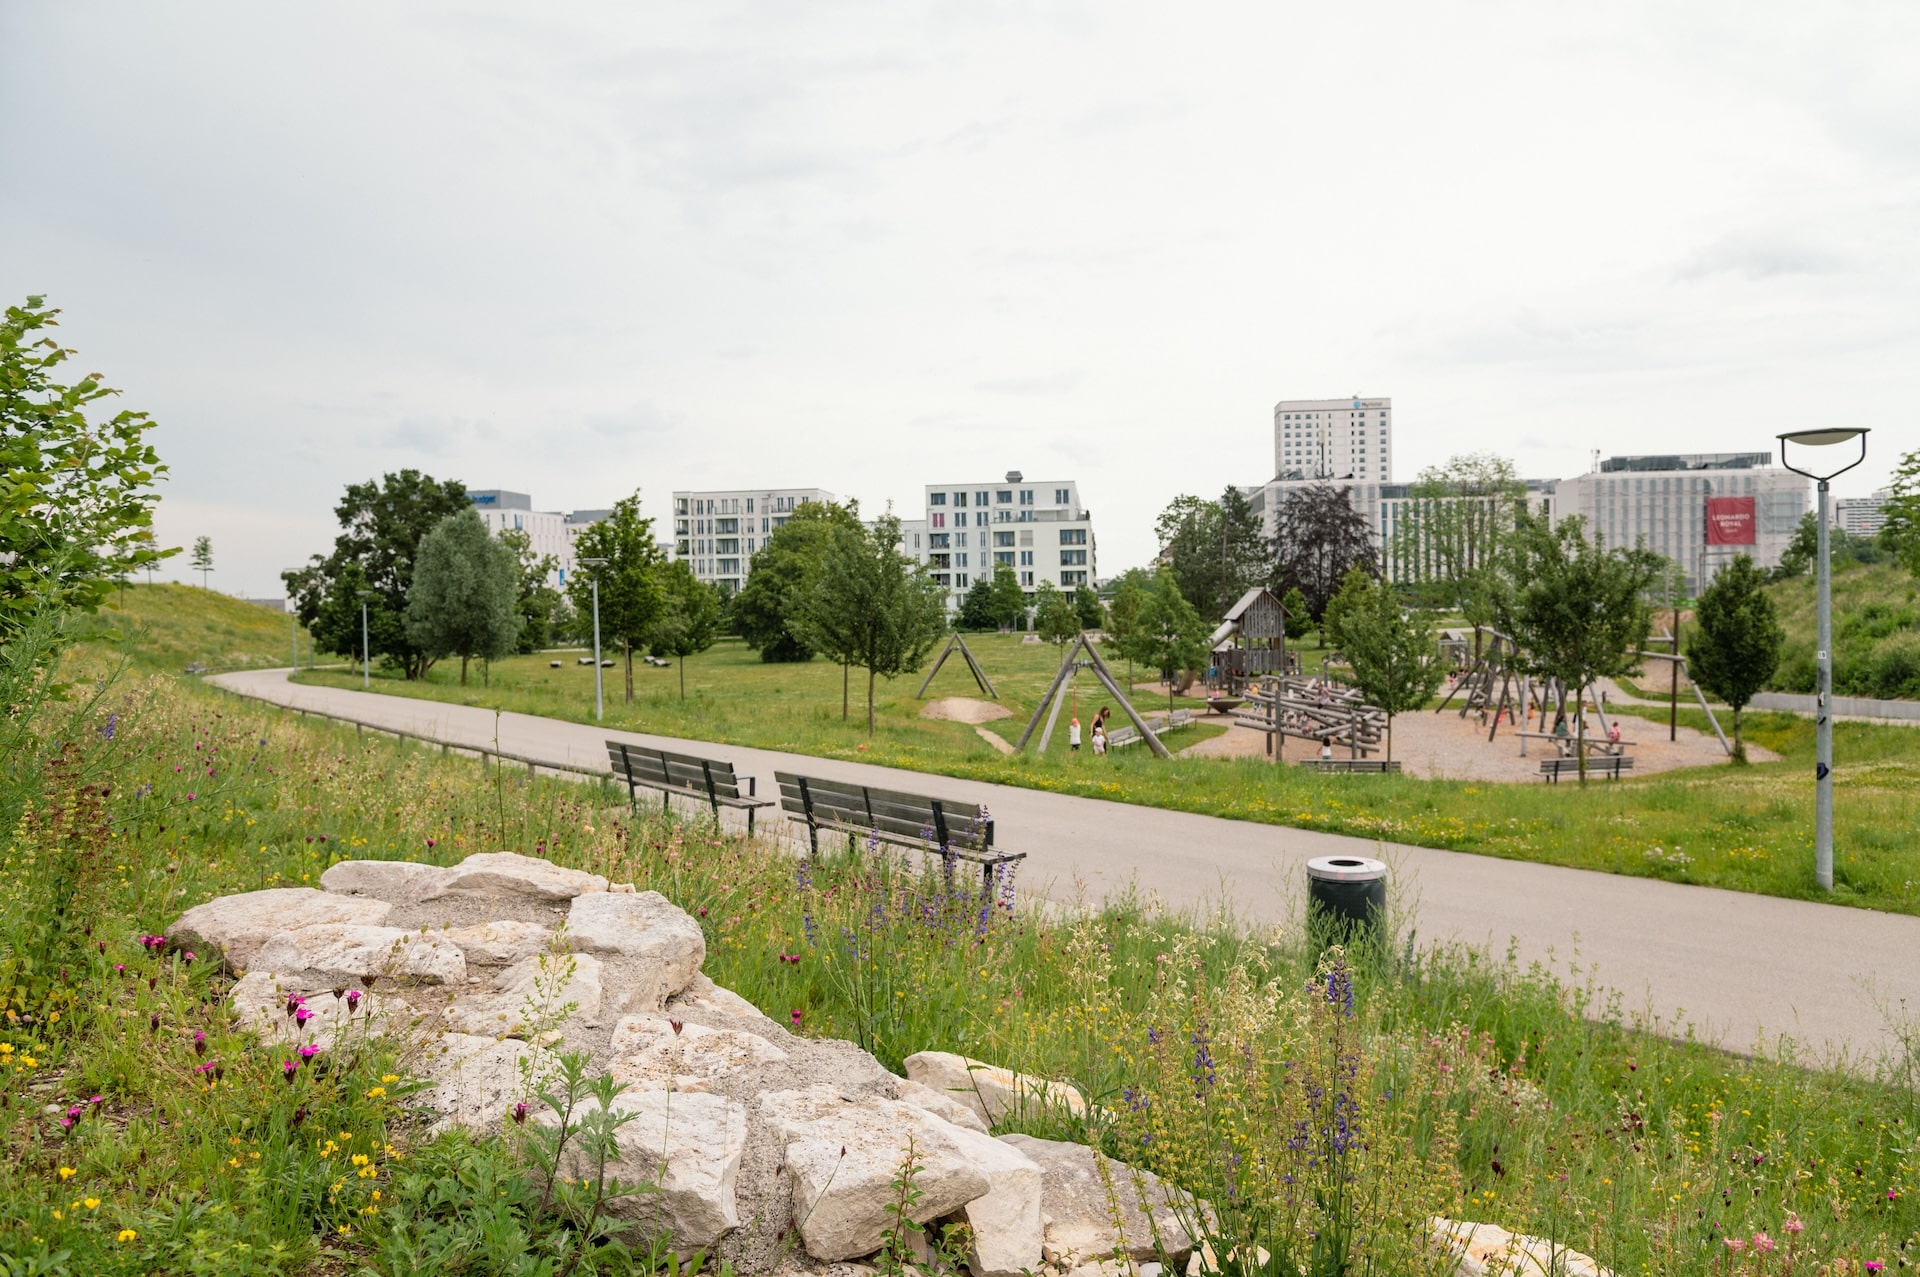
{"x": 749, "y": 822}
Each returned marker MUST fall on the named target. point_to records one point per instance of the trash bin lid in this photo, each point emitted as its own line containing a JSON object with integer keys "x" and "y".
{"x": 1346, "y": 869}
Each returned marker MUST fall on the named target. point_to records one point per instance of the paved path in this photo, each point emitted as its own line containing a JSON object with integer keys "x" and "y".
{"x": 1735, "y": 966}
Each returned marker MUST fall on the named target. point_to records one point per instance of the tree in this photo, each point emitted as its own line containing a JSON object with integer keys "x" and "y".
{"x": 1900, "y": 533}
{"x": 1333, "y": 618}
{"x": 691, "y": 619}
{"x": 1172, "y": 637}
{"x": 76, "y": 495}
{"x": 976, "y": 609}
{"x": 538, "y": 603}
{"x": 1318, "y": 538}
{"x": 1053, "y": 616}
{"x": 1736, "y": 641}
{"x": 1009, "y": 600}
{"x": 631, "y": 599}
{"x": 1215, "y": 549}
{"x": 382, "y": 523}
{"x": 202, "y": 560}
{"x": 1393, "y": 652}
{"x": 894, "y": 610}
{"x": 1087, "y": 606}
{"x": 1843, "y": 548}
{"x": 463, "y": 598}
{"x": 1299, "y": 615}
{"x": 1576, "y": 610}
{"x": 1124, "y": 613}
{"x": 822, "y": 622}
{"x": 769, "y": 612}
{"x": 1450, "y": 538}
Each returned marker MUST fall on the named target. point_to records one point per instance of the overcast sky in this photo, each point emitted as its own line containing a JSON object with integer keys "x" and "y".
{"x": 575, "y": 249}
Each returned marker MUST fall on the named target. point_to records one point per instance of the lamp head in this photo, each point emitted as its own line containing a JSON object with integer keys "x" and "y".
{"x": 1824, "y": 438}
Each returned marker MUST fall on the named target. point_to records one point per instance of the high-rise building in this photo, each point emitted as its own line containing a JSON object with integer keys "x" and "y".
{"x": 1039, "y": 529}
{"x": 1698, "y": 509}
{"x": 1862, "y": 516}
{"x": 547, "y": 530}
{"x": 1349, "y": 439}
{"x": 717, "y": 532}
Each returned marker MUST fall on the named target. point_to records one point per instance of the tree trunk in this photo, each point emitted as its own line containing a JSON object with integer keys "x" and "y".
{"x": 463, "y": 669}
{"x": 683, "y": 676}
{"x": 629, "y": 672}
{"x": 1389, "y": 738}
{"x": 1739, "y": 747}
{"x": 846, "y": 673}
{"x": 1580, "y": 735}
{"x": 869, "y": 702}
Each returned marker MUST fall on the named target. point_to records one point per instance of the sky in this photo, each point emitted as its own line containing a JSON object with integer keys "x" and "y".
{"x": 578, "y": 250}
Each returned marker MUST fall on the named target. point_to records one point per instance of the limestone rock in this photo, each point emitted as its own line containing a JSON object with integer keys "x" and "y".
{"x": 690, "y": 1146}
{"x": 476, "y": 1081}
{"x": 329, "y": 954}
{"x": 650, "y": 1051}
{"x": 234, "y": 927}
{"x": 703, "y": 995}
{"x": 989, "y": 1090}
{"x": 844, "y": 1152}
{"x": 260, "y": 1003}
{"x": 1487, "y": 1250}
{"x": 518, "y": 1002}
{"x": 1202, "y": 1262}
{"x": 400, "y": 882}
{"x": 645, "y": 926}
{"x": 509, "y": 873}
{"x": 1079, "y": 1214}
{"x": 500, "y": 944}
{"x": 941, "y": 1105}
{"x": 1008, "y": 1236}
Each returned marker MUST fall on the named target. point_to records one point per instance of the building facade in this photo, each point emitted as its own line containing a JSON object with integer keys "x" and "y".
{"x": 1037, "y": 528}
{"x": 1861, "y": 516}
{"x": 716, "y": 532}
{"x": 1347, "y": 439}
{"x": 547, "y": 530}
{"x": 1393, "y": 513}
{"x": 1662, "y": 502}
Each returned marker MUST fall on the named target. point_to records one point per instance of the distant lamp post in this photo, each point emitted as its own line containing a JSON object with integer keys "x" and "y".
{"x": 599, "y": 699}
{"x": 1823, "y": 643}
{"x": 366, "y": 651}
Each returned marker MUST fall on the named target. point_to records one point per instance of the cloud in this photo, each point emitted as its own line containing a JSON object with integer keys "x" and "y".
{"x": 1756, "y": 258}
{"x": 1058, "y": 383}
{"x": 632, "y": 423}
{"x": 434, "y": 436}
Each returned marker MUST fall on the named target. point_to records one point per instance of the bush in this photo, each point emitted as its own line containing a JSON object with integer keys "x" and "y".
{"x": 1896, "y": 670}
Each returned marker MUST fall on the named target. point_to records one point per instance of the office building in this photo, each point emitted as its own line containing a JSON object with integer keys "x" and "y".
{"x": 1037, "y": 528}
{"x": 717, "y": 531}
{"x": 1347, "y": 439}
{"x": 1699, "y": 509}
{"x": 546, "y": 530}
{"x": 1393, "y": 514}
{"x": 1861, "y": 516}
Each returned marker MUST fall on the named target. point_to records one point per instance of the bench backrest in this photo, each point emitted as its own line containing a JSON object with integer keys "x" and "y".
{"x": 941, "y": 822}
{"x": 662, "y": 768}
{"x": 1121, "y": 736}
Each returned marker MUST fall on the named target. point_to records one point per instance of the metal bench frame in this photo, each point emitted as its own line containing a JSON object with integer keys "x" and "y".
{"x": 1610, "y": 764}
{"x": 1384, "y": 766}
{"x": 889, "y": 816}
{"x": 687, "y": 775}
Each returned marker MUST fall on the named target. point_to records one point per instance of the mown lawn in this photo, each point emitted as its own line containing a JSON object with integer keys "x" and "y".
{"x": 1743, "y": 828}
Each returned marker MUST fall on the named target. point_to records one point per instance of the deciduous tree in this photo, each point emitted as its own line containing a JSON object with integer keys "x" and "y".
{"x": 1736, "y": 641}
{"x": 463, "y": 598}
{"x": 631, "y": 599}
{"x": 538, "y": 602}
{"x": 769, "y": 612}
{"x": 1395, "y": 659}
{"x": 1215, "y": 549}
{"x": 1087, "y": 606}
{"x": 1318, "y": 538}
{"x": 1171, "y": 636}
{"x": 897, "y": 612}
{"x": 1053, "y": 616}
{"x": 1124, "y": 614}
{"x": 691, "y": 619}
{"x": 202, "y": 560}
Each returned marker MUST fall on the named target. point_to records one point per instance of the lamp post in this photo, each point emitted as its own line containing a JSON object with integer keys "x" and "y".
{"x": 1823, "y": 643}
{"x": 366, "y": 651}
{"x": 599, "y": 699}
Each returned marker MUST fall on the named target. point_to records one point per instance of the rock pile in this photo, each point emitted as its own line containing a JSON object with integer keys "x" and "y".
{"x": 755, "y": 1136}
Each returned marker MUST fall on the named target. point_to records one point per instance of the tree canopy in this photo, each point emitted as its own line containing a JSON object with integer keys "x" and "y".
{"x": 1448, "y": 541}
{"x": 888, "y": 611}
{"x": 690, "y": 620}
{"x": 1395, "y": 659}
{"x": 1171, "y": 636}
{"x": 1318, "y": 538}
{"x": 1215, "y": 549}
{"x": 631, "y": 598}
{"x": 76, "y": 494}
{"x": 463, "y": 601}
{"x": 770, "y": 610}
{"x": 1735, "y": 645}
{"x": 1053, "y": 616}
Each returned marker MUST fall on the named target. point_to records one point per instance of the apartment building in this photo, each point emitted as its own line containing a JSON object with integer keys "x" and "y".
{"x": 717, "y": 532}
{"x": 1861, "y": 516}
{"x": 1320, "y": 439}
{"x": 1037, "y": 528}
{"x": 548, "y": 530}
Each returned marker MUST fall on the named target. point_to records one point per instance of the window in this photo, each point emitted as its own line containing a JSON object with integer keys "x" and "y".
{"x": 939, "y": 520}
{"x": 938, "y": 540}
{"x": 940, "y": 578}
{"x": 1003, "y": 497}
{"x": 936, "y": 498}
{"x": 1073, "y": 536}
{"x": 960, "y": 560}
{"x": 1074, "y": 558}
{"x": 939, "y": 561}
{"x": 1003, "y": 516}
{"x": 1026, "y": 579}
{"x": 960, "y": 499}
{"x": 749, "y": 505}
{"x": 1003, "y": 538}
{"x": 980, "y": 519}
{"x": 1003, "y": 556}
{"x": 979, "y": 498}
{"x": 729, "y": 567}
{"x": 1026, "y": 560}
{"x": 763, "y": 525}
{"x": 749, "y": 545}
{"x": 1026, "y": 496}
{"x": 727, "y": 545}
{"x": 1061, "y": 496}
{"x": 959, "y": 538}
{"x": 960, "y": 579}
{"x": 1073, "y": 578}
{"x": 1026, "y": 538}
{"x": 916, "y": 540}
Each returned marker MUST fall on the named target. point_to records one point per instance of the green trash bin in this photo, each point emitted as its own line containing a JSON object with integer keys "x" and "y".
{"x": 1347, "y": 898}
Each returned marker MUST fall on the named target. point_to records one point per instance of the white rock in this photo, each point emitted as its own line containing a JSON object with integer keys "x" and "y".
{"x": 844, "y": 1153}
{"x": 690, "y": 1147}
{"x": 908, "y": 1091}
{"x": 1079, "y": 1211}
{"x": 234, "y": 927}
{"x": 401, "y": 882}
{"x": 1202, "y": 1262}
{"x": 476, "y": 1081}
{"x": 1007, "y": 1231}
{"x": 531, "y": 997}
{"x": 989, "y": 1090}
{"x": 649, "y": 1052}
{"x": 1487, "y": 1250}
{"x": 703, "y": 995}
{"x": 500, "y": 944}
{"x": 330, "y": 954}
{"x": 509, "y": 873}
{"x": 259, "y": 1001}
{"x": 647, "y": 927}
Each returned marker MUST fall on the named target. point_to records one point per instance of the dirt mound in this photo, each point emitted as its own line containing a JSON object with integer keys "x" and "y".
{"x": 964, "y": 709}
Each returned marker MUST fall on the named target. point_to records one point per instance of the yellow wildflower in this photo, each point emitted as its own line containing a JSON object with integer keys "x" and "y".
{"x": 128, "y": 1235}
{"x": 67, "y": 1172}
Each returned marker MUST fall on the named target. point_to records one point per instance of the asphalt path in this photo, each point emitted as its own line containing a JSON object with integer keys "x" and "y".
{"x": 1738, "y": 970}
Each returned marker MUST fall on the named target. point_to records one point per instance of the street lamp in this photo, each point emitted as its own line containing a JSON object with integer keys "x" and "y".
{"x": 366, "y": 653}
{"x": 1823, "y": 644}
{"x": 599, "y": 700}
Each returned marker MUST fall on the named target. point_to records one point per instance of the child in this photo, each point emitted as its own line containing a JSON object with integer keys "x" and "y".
{"x": 1099, "y": 739}
{"x": 1073, "y": 734}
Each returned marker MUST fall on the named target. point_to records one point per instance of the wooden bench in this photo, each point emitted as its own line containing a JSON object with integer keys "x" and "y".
{"x": 685, "y": 774}
{"x": 1128, "y": 735}
{"x": 1607, "y": 765}
{"x": 1381, "y": 765}
{"x": 938, "y": 826}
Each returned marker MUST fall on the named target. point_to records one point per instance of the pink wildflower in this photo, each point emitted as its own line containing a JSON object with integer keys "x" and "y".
{"x": 1762, "y": 1243}
{"x": 1793, "y": 1224}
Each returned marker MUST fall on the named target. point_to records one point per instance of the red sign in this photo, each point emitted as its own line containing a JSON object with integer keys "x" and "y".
{"x": 1730, "y": 521}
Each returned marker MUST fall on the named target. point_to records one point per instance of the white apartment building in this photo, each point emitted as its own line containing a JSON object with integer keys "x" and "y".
{"x": 1039, "y": 529}
{"x": 1861, "y": 516}
{"x": 548, "y": 531}
{"x": 1661, "y": 501}
{"x": 1349, "y": 439}
{"x": 718, "y": 531}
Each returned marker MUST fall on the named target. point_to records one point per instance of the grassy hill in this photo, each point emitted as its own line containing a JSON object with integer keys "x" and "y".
{"x": 170, "y": 627}
{"x": 1876, "y": 633}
